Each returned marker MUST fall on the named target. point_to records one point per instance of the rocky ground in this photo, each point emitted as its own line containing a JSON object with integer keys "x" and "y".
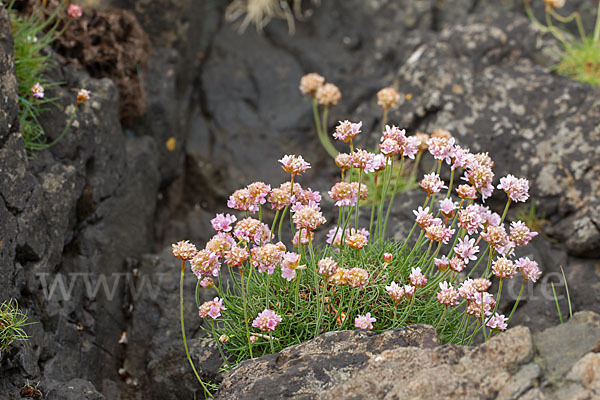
{"x": 110, "y": 197}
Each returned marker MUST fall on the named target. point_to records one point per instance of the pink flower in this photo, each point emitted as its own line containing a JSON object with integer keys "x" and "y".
{"x": 439, "y": 233}
{"x": 258, "y": 192}
{"x": 388, "y": 257}
{"x": 357, "y": 278}
{"x": 409, "y": 291}
{"x": 344, "y": 193}
{"x": 470, "y": 219}
{"x": 205, "y": 263}
{"x": 361, "y": 159}
{"x": 289, "y": 265}
{"x": 496, "y": 236}
{"x": 294, "y": 165}
{"x": 37, "y": 91}
{"x": 447, "y": 295}
{"x": 504, "y": 268}
{"x": 344, "y": 161}
{"x": 466, "y": 249}
{"x": 442, "y": 263}
{"x": 377, "y": 163}
{"x": 335, "y": 240}
{"x": 310, "y": 83}
{"x": 346, "y": 130}
{"x": 184, "y": 250}
{"x": 516, "y": 189}
{"x": 424, "y": 218}
{"x": 388, "y": 97}
{"x": 395, "y": 291}
{"x": 520, "y": 234}
{"x": 410, "y": 148}
{"x": 498, "y": 321}
{"x": 457, "y": 264}
{"x": 307, "y": 237}
{"x": 253, "y": 338}
{"x": 475, "y": 305}
{"x": 212, "y": 308}
{"x": 220, "y": 244}
{"x": 529, "y": 269}
{"x": 432, "y": 183}
{"x": 252, "y": 230}
{"x": 82, "y": 96}
{"x": 467, "y": 290}
{"x": 242, "y": 200}
{"x": 481, "y": 284}
{"x": 417, "y": 278}
{"x": 207, "y": 283}
{"x": 364, "y": 321}
{"x": 327, "y": 267}
{"x": 266, "y": 258}
{"x": 463, "y": 158}
{"x": 222, "y": 223}
{"x": 74, "y": 11}
{"x": 447, "y": 207}
{"x": 266, "y": 321}
{"x": 389, "y": 147}
{"x": 309, "y": 217}
{"x": 356, "y": 241}
{"x": 441, "y": 148}
{"x": 236, "y": 256}
{"x": 481, "y": 177}
{"x": 466, "y": 192}
{"x": 394, "y": 133}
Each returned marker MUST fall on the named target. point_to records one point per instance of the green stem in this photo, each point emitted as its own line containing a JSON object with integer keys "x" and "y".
{"x": 518, "y": 299}
{"x": 398, "y": 177}
{"x": 596, "y": 36}
{"x": 246, "y": 312}
{"x": 322, "y": 130}
{"x": 187, "y": 352}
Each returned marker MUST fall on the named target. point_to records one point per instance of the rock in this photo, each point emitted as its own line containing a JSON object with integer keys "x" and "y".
{"x": 75, "y": 389}
{"x": 8, "y": 82}
{"x": 511, "y": 365}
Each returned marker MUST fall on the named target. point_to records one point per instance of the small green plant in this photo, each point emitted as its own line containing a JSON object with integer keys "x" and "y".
{"x": 33, "y": 35}
{"x": 580, "y": 58}
{"x": 12, "y": 322}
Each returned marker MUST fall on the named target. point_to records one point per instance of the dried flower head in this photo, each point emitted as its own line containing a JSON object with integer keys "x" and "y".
{"x": 184, "y": 250}
{"x": 328, "y": 95}
{"x": 357, "y": 278}
{"x": 327, "y": 267}
{"x": 364, "y": 321}
{"x": 388, "y": 98}
{"x": 266, "y": 321}
{"x": 310, "y": 83}
{"x": 441, "y": 133}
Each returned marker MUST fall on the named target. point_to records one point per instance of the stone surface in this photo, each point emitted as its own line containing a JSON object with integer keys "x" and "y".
{"x": 366, "y": 365}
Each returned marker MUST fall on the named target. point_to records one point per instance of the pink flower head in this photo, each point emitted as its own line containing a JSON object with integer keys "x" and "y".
{"x": 357, "y": 278}
{"x": 242, "y": 200}
{"x": 498, "y": 321}
{"x": 447, "y": 295}
{"x": 516, "y": 189}
{"x": 212, "y": 308}
{"x": 504, "y": 268}
{"x": 258, "y": 192}
{"x": 335, "y": 240}
{"x": 457, "y": 264}
{"x": 327, "y": 267}
{"x": 184, "y": 250}
{"x": 466, "y": 192}
{"x": 356, "y": 240}
{"x": 222, "y": 223}
{"x": 417, "y": 278}
{"x": 496, "y": 236}
{"x": 377, "y": 163}
{"x": 266, "y": 258}
{"x": 481, "y": 284}
{"x": 439, "y": 233}
{"x": 205, "y": 263}
{"x": 266, "y": 321}
{"x": 481, "y": 178}
{"x": 37, "y": 91}
{"x": 346, "y": 130}
{"x": 410, "y": 148}
{"x": 470, "y": 219}
{"x": 424, "y": 217}
{"x": 361, "y": 159}
{"x": 74, "y": 11}
{"x": 207, "y": 283}
{"x": 409, "y": 291}
{"x": 432, "y": 183}
{"x": 344, "y": 161}
{"x": 236, "y": 256}
{"x": 309, "y": 217}
{"x": 289, "y": 265}
{"x": 441, "y": 148}
{"x": 520, "y": 234}
{"x": 466, "y": 249}
{"x": 294, "y": 165}
{"x": 442, "y": 263}
{"x": 389, "y": 147}
{"x": 308, "y": 196}
{"x": 253, "y": 338}
{"x": 252, "y": 230}
{"x": 395, "y": 291}
{"x": 481, "y": 300}
{"x": 82, "y": 96}
{"x": 463, "y": 158}
{"x": 364, "y": 321}
{"x": 467, "y": 290}
{"x": 220, "y": 244}
{"x": 447, "y": 207}
{"x": 310, "y": 83}
{"x": 307, "y": 237}
{"x": 529, "y": 269}
{"x": 388, "y": 257}
{"x": 394, "y": 133}
{"x": 344, "y": 193}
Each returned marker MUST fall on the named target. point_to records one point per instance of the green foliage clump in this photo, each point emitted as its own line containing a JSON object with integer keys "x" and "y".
{"x": 12, "y": 321}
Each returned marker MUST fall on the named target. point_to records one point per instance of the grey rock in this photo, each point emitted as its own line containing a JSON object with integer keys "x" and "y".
{"x": 75, "y": 389}
{"x": 8, "y": 81}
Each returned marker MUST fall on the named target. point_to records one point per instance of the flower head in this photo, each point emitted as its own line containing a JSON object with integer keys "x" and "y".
{"x": 74, "y": 11}
{"x": 356, "y": 240}
{"x": 289, "y": 264}
{"x": 207, "y": 283}
{"x": 357, "y": 278}
{"x": 327, "y": 267}
{"x": 394, "y": 133}
{"x": 395, "y": 291}
{"x": 184, "y": 250}
{"x": 498, "y": 321}
{"x": 520, "y": 234}
{"x": 387, "y": 258}
{"x": 442, "y": 263}
{"x": 252, "y": 230}
{"x": 496, "y": 236}
{"x": 308, "y": 217}
{"x": 346, "y": 130}
{"x": 470, "y": 219}
{"x": 293, "y": 164}
{"x": 447, "y": 207}
{"x": 457, "y": 264}
{"x": 361, "y": 158}
{"x": 336, "y": 239}
{"x": 447, "y": 295}
{"x": 424, "y": 217}
{"x": 504, "y": 268}
{"x": 328, "y": 95}
{"x": 409, "y": 290}
{"x": 236, "y": 256}
{"x": 344, "y": 161}
{"x": 205, "y": 263}
{"x": 554, "y": 3}
{"x": 466, "y": 249}
{"x": 344, "y": 193}
{"x": 417, "y": 278}
{"x": 266, "y": 321}
{"x": 481, "y": 284}
{"x": 220, "y": 243}
{"x": 389, "y": 147}
{"x": 222, "y": 223}
{"x": 242, "y": 200}
{"x": 212, "y": 308}
{"x": 266, "y": 258}
{"x": 466, "y": 192}
{"x": 310, "y": 83}
{"x": 388, "y": 98}
{"x": 432, "y": 183}
{"x": 82, "y": 96}
{"x": 529, "y": 269}
{"x": 37, "y": 91}
{"x": 258, "y": 192}
{"x": 441, "y": 147}
{"x": 439, "y": 233}
{"x": 516, "y": 189}
{"x": 364, "y": 321}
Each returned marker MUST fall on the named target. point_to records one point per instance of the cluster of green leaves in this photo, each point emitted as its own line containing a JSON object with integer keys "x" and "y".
{"x": 12, "y": 321}
{"x": 33, "y": 35}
